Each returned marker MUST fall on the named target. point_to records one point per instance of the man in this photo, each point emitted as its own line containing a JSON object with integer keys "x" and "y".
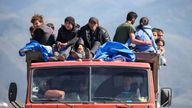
{"x": 91, "y": 37}
{"x": 47, "y": 92}
{"x": 66, "y": 38}
{"x": 160, "y": 34}
{"x": 37, "y": 20}
{"x": 126, "y": 31}
{"x": 41, "y": 33}
{"x": 129, "y": 88}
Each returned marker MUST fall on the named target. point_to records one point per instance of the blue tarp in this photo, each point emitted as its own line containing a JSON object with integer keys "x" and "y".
{"x": 46, "y": 51}
{"x": 112, "y": 51}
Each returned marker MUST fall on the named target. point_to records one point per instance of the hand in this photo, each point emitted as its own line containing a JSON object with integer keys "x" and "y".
{"x": 149, "y": 43}
{"x": 61, "y": 45}
{"x": 80, "y": 49}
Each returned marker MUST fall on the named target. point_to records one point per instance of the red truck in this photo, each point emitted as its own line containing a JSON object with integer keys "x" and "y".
{"x": 93, "y": 84}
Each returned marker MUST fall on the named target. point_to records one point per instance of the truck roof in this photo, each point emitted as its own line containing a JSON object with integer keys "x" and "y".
{"x": 34, "y": 59}
{"x": 90, "y": 63}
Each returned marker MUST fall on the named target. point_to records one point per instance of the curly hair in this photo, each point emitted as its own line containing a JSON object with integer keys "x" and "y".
{"x": 37, "y": 17}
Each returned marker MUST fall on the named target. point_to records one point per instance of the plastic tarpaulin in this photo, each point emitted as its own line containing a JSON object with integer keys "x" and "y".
{"x": 46, "y": 51}
{"x": 112, "y": 51}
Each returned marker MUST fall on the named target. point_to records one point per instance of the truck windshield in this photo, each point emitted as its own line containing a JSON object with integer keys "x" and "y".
{"x": 89, "y": 84}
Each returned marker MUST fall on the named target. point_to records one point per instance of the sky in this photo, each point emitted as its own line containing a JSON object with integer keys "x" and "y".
{"x": 173, "y": 16}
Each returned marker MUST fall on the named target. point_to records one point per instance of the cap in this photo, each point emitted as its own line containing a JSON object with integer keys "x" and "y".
{"x": 93, "y": 19}
{"x": 71, "y": 20}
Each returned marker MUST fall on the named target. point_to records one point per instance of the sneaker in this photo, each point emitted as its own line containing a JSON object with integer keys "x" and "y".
{"x": 61, "y": 58}
{"x": 53, "y": 58}
{"x": 76, "y": 55}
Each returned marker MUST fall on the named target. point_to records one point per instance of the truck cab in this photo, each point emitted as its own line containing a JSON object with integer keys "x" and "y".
{"x": 93, "y": 84}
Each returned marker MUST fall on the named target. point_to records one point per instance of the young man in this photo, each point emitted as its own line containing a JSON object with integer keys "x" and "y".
{"x": 41, "y": 32}
{"x": 47, "y": 92}
{"x": 126, "y": 31}
{"x": 160, "y": 34}
{"x": 37, "y": 20}
{"x": 91, "y": 37}
{"x": 66, "y": 38}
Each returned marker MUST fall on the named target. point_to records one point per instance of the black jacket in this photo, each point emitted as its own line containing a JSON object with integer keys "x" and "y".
{"x": 44, "y": 35}
{"x": 65, "y": 35}
{"x": 88, "y": 38}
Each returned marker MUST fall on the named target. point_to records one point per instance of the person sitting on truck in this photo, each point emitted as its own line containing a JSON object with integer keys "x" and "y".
{"x": 160, "y": 34}
{"x": 160, "y": 44}
{"x": 66, "y": 38}
{"x": 42, "y": 33}
{"x": 144, "y": 33}
{"x": 126, "y": 32}
{"x": 42, "y": 38}
{"x": 91, "y": 37}
{"x": 155, "y": 32}
{"x": 51, "y": 25}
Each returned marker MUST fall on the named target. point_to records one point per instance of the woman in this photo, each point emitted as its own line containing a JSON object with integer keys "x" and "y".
{"x": 144, "y": 33}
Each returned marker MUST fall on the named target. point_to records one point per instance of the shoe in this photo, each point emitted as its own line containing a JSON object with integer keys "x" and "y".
{"x": 76, "y": 55}
{"x": 61, "y": 58}
{"x": 53, "y": 58}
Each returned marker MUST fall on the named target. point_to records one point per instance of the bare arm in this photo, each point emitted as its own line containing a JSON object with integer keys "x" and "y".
{"x": 58, "y": 94}
{"x": 138, "y": 42}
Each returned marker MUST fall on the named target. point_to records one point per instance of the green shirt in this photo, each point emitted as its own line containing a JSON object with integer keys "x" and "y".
{"x": 123, "y": 31}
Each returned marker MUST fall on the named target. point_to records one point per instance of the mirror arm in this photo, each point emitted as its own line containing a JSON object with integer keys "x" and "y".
{"x": 16, "y": 105}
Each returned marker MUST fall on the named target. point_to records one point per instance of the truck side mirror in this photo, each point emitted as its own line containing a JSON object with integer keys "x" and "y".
{"x": 12, "y": 95}
{"x": 166, "y": 97}
{"x": 12, "y": 92}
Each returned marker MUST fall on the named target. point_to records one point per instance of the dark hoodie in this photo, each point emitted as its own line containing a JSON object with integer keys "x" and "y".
{"x": 69, "y": 36}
